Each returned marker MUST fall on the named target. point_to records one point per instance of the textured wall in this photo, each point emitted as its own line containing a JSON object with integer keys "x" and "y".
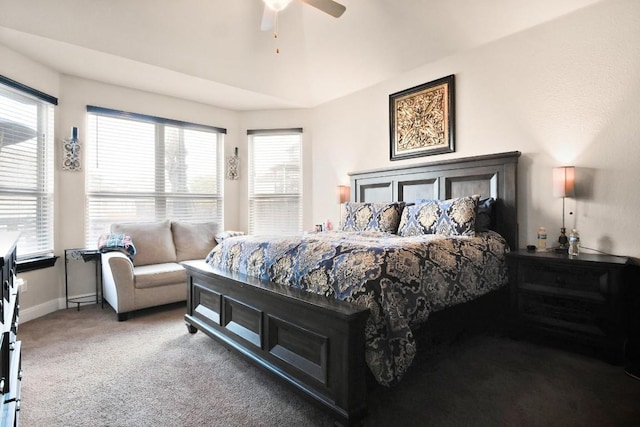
{"x": 564, "y": 92}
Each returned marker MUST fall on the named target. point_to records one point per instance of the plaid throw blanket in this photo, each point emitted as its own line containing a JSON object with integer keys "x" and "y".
{"x": 116, "y": 242}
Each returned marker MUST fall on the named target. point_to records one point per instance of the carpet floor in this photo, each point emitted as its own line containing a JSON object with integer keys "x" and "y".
{"x": 84, "y": 368}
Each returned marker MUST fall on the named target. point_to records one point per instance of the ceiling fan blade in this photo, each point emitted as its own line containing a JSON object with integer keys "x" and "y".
{"x": 268, "y": 19}
{"x": 327, "y": 6}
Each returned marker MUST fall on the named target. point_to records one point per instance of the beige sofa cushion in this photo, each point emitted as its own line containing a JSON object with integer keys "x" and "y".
{"x": 193, "y": 240}
{"x": 153, "y": 241}
{"x": 152, "y": 276}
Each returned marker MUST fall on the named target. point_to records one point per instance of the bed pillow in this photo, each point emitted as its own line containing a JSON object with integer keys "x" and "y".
{"x": 452, "y": 217}
{"x": 226, "y": 234}
{"x": 485, "y": 218}
{"x": 485, "y": 214}
{"x": 363, "y": 216}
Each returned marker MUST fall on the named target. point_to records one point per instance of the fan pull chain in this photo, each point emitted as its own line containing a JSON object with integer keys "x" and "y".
{"x": 275, "y": 32}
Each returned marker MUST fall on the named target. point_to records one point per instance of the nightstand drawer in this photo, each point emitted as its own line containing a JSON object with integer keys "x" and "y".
{"x": 574, "y": 314}
{"x": 578, "y": 281}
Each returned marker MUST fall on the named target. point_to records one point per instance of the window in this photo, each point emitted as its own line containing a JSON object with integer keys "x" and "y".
{"x": 275, "y": 181}
{"x": 26, "y": 167}
{"x": 143, "y": 168}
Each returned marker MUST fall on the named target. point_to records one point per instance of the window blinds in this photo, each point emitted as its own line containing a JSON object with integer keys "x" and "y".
{"x": 275, "y": 182}
{"x": 143, "y": 168}
{"x": 26, "y": 167}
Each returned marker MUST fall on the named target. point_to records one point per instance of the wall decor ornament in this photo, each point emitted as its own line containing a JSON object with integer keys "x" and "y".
{"x": 233, "y": 166}
{"x": 71, "y": 152}
{"x": 421, "y": 120}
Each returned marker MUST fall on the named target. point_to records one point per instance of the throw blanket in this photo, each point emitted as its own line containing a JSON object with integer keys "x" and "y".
{"x": 400, "y": 279}
{"x": 116, "y": 242}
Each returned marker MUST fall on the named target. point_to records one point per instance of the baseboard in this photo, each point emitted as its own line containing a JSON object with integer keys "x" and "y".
{"x": 43, "y": 309}
{"x": 31, "y": 313}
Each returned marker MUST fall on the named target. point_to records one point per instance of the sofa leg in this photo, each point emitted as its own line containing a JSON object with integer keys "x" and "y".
{"x": 122, "y": 317}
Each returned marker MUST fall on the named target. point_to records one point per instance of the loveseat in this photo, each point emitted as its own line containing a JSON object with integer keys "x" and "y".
{"x": 154, "y": 276}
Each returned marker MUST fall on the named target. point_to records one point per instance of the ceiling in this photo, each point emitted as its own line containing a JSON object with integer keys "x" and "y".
{"x": 212, "y": 51}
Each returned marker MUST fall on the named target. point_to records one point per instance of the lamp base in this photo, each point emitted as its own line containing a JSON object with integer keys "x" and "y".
{"x": 563, "y": 242}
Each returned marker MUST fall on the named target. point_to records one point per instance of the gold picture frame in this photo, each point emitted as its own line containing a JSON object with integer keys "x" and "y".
{"x": 422, "y": 120}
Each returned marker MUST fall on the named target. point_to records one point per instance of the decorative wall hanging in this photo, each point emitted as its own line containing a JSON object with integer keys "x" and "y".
{"x": 71, "y": 152}
{"x": 233, "y": 166}
{"x": 422, "y": 120}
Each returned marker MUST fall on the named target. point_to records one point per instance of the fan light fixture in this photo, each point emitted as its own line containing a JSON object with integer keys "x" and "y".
{"x": 277, "y": 5}
{"x": 272, "y": 7}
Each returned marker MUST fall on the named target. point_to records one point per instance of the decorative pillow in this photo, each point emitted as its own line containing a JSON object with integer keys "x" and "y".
{"x": 153, "y": 240}
{"x": 362, "y": 216}
{"x": 452, "y": 217}
{"x": 193, "y": 240}
{"x": 226, "y": 234}
{"x": 485, "y": 218}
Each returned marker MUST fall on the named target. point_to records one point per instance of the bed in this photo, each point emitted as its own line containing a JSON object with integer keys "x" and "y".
{"x": 326, "y": 342}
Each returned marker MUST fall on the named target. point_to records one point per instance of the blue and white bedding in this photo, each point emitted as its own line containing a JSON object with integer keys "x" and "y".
{"x": 400, "y": 279}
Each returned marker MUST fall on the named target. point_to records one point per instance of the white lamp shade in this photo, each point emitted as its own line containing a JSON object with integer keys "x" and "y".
{"x": 564, "y": 179}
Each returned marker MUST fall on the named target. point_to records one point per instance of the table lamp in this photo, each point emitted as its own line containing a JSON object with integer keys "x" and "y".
{"x": 563, "y": 186}
{"x": 344, "y": 194}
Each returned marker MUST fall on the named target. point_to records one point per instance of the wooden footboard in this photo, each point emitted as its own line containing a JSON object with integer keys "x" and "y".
{"x": 314, "y": 343}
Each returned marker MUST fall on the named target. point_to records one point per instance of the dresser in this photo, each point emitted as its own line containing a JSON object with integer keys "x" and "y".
{"x": 582, "y": 301}
{"x": 11, "y": 373}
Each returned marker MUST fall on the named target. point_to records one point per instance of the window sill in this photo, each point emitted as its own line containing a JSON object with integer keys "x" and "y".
{"x": 38, "y": 263}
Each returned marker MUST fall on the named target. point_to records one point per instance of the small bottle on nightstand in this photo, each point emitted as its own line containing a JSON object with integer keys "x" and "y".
{"x": 542, "y": 239}
{"x": 574, "y": 243}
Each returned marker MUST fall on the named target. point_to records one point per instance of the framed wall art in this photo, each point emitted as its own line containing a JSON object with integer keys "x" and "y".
{"x": 421, "y": 120}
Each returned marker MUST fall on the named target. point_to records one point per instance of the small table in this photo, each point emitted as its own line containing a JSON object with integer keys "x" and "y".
{"x": 85, "y": 255}
{"x": 584, "y": 299}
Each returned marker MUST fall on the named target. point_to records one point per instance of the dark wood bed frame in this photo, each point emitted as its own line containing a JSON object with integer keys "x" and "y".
{"x": 317, "y": 344}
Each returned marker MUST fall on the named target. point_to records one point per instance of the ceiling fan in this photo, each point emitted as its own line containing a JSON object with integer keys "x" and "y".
{"x": 272, "y": 7}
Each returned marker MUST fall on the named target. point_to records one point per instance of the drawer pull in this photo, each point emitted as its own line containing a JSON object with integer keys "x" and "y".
{"x": 18, "y": 404}
{"x": 2, "y": 385}
{"x": 6, "y": 285}
{"x": 20, "y": 374}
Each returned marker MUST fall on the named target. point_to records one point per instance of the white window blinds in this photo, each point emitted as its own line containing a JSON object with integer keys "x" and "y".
{"x": 143, "y": 168}
{"x": 275, "y": 181}
{"x": 26, "y": 167}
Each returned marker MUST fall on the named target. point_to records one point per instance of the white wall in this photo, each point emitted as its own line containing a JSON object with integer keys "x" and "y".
{"x": 565, "y": 92}
{"x": 562, "y": 93}
{"x": 46, "y": 288}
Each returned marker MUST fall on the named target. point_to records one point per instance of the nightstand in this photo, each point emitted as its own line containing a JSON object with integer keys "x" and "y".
{"x": 583, "y": 300}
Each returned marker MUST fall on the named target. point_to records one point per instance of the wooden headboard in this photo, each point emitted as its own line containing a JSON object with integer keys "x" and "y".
{"x": 493, "y": 175}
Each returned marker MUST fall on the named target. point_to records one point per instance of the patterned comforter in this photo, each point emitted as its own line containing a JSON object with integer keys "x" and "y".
{"x": 400, "y": 279}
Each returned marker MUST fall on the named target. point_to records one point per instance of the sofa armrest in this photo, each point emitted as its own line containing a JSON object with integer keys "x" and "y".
{"x": 118, "y": 281}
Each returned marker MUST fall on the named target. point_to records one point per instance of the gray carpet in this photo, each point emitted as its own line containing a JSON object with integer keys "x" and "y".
{"x": 84, "y": 368}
